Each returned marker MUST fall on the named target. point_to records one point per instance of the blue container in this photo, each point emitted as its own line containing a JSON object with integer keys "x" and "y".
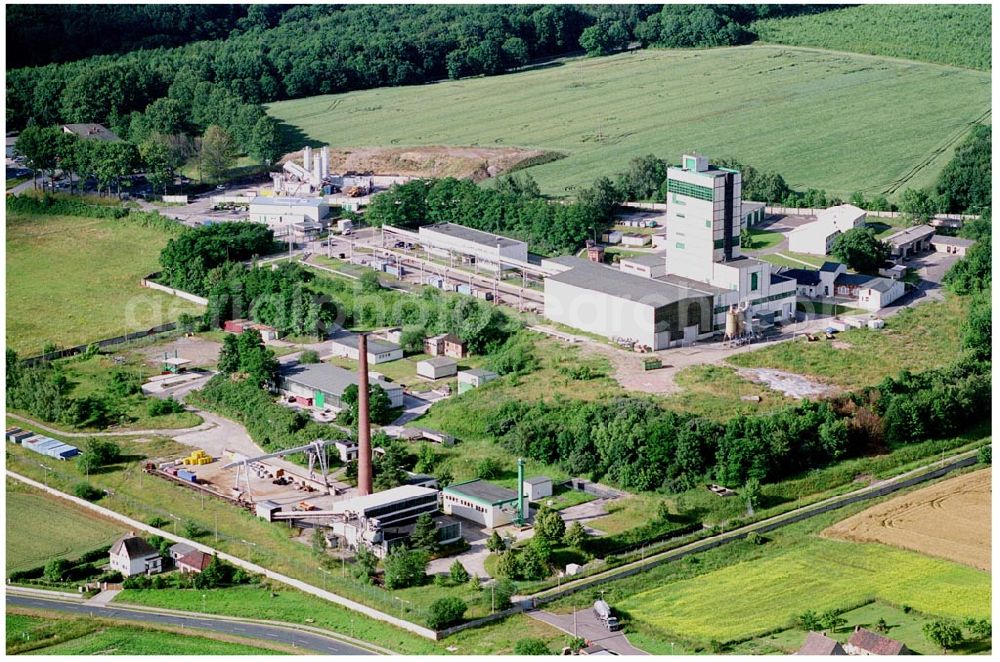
{"x": 184, "y": 474}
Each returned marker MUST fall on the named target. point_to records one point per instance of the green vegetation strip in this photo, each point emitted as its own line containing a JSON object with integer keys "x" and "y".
{"x": 802, "y": 113}
{"x": 56, "y": 635}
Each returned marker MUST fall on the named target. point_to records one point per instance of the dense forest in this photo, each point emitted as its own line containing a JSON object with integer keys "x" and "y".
{"x": 43, "y": 34}
{"x": 262, "y": 53}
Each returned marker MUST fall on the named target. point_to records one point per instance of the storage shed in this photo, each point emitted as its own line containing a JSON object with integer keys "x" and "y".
{"x": 379, "y": 351}
{"x": 537, "y": 488}
{"x": 470, "y": 379}
{"x": 438, "y": 367}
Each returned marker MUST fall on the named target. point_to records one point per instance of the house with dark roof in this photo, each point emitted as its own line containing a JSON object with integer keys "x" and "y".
{"x": 866, "y": 642}
{"x": 132, "y": 555}
{"x": 820, "y": 644}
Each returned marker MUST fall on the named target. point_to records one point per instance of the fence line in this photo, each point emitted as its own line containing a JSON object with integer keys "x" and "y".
{"x": 153, "y": 285}
{"x": 107, "y": 342}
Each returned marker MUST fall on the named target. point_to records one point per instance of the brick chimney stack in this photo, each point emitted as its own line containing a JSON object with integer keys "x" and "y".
{"x": 364, "y": 424}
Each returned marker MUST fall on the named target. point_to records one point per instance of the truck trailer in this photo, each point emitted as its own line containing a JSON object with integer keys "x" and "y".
{"x": 603, "y": 612}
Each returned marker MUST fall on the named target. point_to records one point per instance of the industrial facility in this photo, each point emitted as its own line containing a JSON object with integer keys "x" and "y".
{"x": 705, "y": 286}
{"x": 322, "y": 384}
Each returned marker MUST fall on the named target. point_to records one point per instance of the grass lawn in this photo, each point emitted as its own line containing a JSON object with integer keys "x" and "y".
{"x": 73, "y": 280}
{"x": 762, "y": 239}
{"x": 56, "y": 634}
{"x": 66, "y": 532}
{"x": 768, "y": 593}
{"x": 735, "y": 102}
{"x": 916, "y": 339}
{"x": 903, "y": 626}
{"x": 948, "y": 34}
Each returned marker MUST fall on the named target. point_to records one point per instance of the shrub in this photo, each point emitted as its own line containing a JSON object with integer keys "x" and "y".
{"x": 87, "y": 491}
{"x": 488, "y": 468}
{"x": 309, "y": 356}
{"x": 458, "y": 573}
{"x": 56, "y": 570}
{"x": 531, "y": 647}
{"x": 159, "y": 522}
{"x": 445, "y": 612}
{"x": 157, "y": 407}
{"x": 755, "y": 538}
{"x": 986, "y": 454}
{"x": 405, "y": 568}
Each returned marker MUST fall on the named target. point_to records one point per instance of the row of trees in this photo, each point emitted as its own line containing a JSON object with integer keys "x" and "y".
{"x": 514, "y": 208}
{"x": 632, "y": 443}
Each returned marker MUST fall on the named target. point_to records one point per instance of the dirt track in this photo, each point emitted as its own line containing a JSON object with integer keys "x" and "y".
{"x": 950, "y": 520}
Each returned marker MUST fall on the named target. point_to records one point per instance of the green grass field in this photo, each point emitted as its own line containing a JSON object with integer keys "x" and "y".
{"x": 947, "y": 34}
{"x": 295, "y": 607}
{"x": 56, "y": 635}
{"x": 835, "y": 121}
{"x": 72, "y": 280}
{"x": 916, "y": 339}
{"x": 66, "y": 531}
{"x": 747, "y": 599}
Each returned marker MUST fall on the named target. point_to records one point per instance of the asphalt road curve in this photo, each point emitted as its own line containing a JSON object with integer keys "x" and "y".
{"x": 251, "y": 631}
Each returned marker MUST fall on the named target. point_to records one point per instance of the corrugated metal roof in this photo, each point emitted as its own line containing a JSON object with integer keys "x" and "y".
{"x": 649, "y": 291}
{"x": 469, "y": 234}
{"x": 482, "y": 491}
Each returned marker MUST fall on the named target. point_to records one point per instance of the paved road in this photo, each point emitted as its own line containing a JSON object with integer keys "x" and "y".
{"x": 275, "y": 633}
{"x": 588, "y": 627}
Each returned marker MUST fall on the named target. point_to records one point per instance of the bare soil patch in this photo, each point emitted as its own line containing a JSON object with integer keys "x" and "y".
{"x": 475, "y": 163}
{"x": 950, "y": 520}
{"x": 199, "y": 351}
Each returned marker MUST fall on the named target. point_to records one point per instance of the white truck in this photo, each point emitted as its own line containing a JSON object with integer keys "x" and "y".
{"x": 603, "y": 612}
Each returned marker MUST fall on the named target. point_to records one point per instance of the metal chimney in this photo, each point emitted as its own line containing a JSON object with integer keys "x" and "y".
{"x": 364, "y": 425}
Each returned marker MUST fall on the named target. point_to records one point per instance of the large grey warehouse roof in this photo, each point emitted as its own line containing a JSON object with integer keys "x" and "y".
{"x": 470, "y": 234}
{"x": 325, "y": 377}
{"x": 649, "y": 291}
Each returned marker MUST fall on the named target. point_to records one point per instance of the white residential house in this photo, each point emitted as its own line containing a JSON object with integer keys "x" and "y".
{"x": 132, "y": 555}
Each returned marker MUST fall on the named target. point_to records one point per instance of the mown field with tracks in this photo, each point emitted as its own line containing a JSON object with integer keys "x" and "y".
{"x": 950, "y": 519}
{"x": 836, "y": 121}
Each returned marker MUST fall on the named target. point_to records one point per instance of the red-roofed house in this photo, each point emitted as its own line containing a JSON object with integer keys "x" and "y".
{"x": 820, "y": 644}
{"x": 194, "y": 561}
{"x": 866, "y": 642}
